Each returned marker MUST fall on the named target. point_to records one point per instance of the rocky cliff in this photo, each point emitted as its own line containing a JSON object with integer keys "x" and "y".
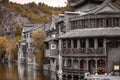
{"x": 14, "y": 15}
{"x": 10, "y": 20}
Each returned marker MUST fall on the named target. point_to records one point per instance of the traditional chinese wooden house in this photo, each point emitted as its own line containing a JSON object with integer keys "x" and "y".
{"x": 92, "y": 43}
{"x": 88, "y": 40}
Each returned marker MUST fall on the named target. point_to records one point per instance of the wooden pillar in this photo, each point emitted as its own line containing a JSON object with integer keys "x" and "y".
{"x": 98, "y": 22}
{"x": 72, "y": 44}
{"x": 28, "y": 40}
{"x": 95, "y": 43}
{"x": 78, "y": 25}
{"x": 87, "y": 44}
{"x": 119, "y": 22}
{"x": 60, "y": 47}
{"x": 104, "y": 20}
{"x": 87, "y": 66}
{"x": 112, "y": 22}
{"x": 72, "y": 63}
{"x": 103, "y": 23}
{"x": 96, "y": 47}
{"x": 65, "y": 63}
{"x": 96, "y": 66}
{"x": 61, "y": 44}
{"x": 104, "y": 46}
{"x": 59, "y": 30}
{"x": 78, "y": 44}
{"x": 66, "y": 43}
{"x": 95, "y": 23}
{"x": 79, "y": 63}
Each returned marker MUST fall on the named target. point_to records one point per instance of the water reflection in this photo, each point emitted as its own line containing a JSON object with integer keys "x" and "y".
{"x": 8, "y": 72}
{"x": 22, "y": 72}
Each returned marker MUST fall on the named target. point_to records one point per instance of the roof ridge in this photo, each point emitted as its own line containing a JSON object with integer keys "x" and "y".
{"x": 103, "y": 5}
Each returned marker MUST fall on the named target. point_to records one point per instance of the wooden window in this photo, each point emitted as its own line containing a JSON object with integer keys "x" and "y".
{"x": 64, "y": 44}
{"x": 47, "y": 45}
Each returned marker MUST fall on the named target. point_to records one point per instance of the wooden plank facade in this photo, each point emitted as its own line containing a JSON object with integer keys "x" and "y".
{"x": 89, "y": 42}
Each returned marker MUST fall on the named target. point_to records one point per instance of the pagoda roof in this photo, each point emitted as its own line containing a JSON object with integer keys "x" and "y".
{"x": 30, "y": 27}
{"x": 81, "y": 2}
{"x": 92, "y": 32}
{"x": 107, "y": 7}
{"x": 50, "y": 39}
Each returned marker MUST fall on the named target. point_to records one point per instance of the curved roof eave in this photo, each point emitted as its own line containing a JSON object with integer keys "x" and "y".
{"x": 92, "y": 32}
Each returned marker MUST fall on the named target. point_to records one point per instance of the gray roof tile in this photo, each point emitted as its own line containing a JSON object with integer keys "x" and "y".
{"x": 30, "y": 27}
{"x": 92, "y": 32}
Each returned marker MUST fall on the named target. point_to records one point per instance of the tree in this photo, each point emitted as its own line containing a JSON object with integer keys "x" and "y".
{"x": 3, "y": 41}
{"x": 8, "y": 47}
{"x": 11, "y": 49}
{"x": 5, "y": 1}
{"x": 38, "y": 37}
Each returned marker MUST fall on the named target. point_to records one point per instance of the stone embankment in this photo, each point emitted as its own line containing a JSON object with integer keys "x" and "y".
{"x": 102, "y": 77}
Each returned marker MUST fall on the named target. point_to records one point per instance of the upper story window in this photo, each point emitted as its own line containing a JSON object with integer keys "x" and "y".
{"x": 64, "y": 44}
{"x": 30, "y": 35}
{"x": 47, "y": 45}
{"x": 116, "y": 22}
{"x": 63, "y": 29}
{"x": 24, "y": 36}
{"x": 95, "y": 22}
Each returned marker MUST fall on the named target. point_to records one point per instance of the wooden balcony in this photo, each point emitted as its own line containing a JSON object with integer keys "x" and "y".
{"x": 54, "y": 53}
{"x": 51, "y": 53}
{"x": 75, "y": 72}
{"x": 83, "y": 52}
{"x": 94, "y": 17}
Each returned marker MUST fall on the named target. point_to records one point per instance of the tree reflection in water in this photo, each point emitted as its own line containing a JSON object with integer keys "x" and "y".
{"x": 23, "y": 72}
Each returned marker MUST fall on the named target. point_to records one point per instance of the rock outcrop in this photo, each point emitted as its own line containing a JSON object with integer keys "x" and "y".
{"x": 10, "y": 20}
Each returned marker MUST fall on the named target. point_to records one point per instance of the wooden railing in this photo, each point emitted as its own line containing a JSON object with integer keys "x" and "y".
{"x": 74, "y": 72}
{"x": 54, "y": 53}
{"x": 94, "y": 17}
{"x": 82, "y": 51}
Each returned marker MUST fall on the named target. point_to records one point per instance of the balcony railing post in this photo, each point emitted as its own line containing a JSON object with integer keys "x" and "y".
{"x": 104, "y": 47}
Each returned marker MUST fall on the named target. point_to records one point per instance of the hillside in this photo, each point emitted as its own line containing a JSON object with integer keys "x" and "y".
{"x": 13, "y": 15}
{"x": 40, "y": 13}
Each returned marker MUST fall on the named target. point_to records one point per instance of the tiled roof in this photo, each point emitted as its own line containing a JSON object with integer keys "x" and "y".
{"x": 30, "y": 27}
{"x": 50, "y": 39}
{"x": 106, "y": 7}
{"x": 92, "y": 32}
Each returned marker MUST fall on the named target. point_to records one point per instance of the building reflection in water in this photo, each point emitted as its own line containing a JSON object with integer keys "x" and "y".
{"x": 28, "y": 73}
{"x": 23, "y": 72}
{"x": 53, "y": 76}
